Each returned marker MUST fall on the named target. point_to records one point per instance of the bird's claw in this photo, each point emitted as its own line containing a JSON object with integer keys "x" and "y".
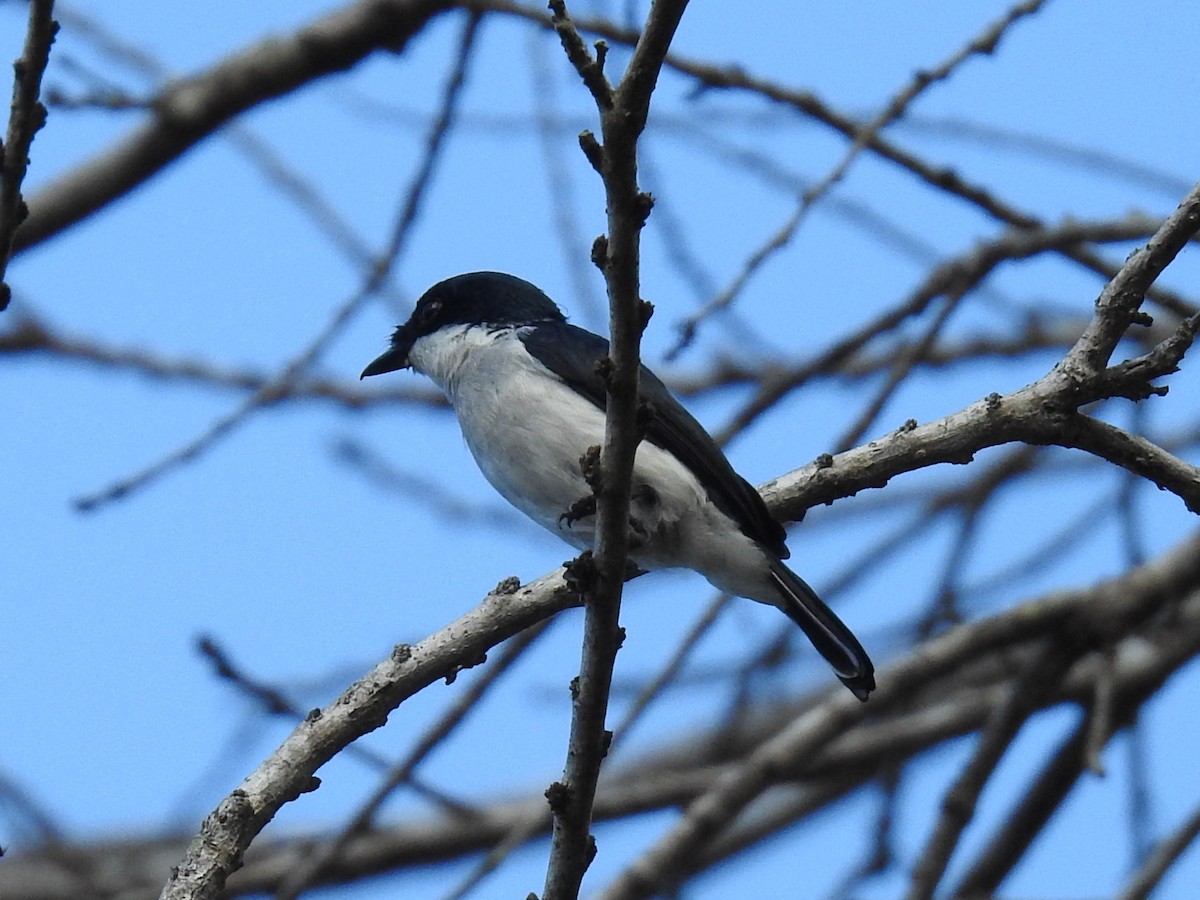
{"x": 580, "y": 509}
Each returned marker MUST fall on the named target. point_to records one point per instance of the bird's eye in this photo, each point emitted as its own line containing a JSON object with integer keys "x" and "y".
{"x": 429, "y": 312}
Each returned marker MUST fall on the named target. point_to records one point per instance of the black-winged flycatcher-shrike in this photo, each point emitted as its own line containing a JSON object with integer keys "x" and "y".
{"x": 530, "y": 401}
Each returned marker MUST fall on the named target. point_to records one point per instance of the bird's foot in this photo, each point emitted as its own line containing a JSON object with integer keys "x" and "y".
{"x": 580, "y": 509}
{"x": 582, "y": 573}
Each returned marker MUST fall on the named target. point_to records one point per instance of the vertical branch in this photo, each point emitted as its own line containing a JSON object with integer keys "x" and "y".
{"x": 623, "y": 112}
{"x": 25, "y": 118}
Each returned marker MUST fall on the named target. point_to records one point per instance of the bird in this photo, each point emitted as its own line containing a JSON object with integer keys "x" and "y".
{"x": 530, "y": 401}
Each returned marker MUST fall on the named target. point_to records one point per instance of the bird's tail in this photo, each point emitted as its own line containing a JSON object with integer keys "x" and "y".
{"x": 828, "y": 633}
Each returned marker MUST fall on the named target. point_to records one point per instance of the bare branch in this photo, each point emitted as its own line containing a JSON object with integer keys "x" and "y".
{"x": 1118, "y": 305}
{"x": 1144, "y": 881}
{"x": 192, "y": 109}
{"x": 952, "y": 278}
{"x": 958, "y": 805}
{"x": 305, "y": 875}
{"x": 985, "y": 43}
{"x": 217, "y": 850}
{"x": 1045, "y": 412}
{"x": 26, "y": 117}
{"x": 944, "y": 689}
{"x": 623, "y": 113}
{"x": 1111, "y": 607}
{"x": 376, "y": 279}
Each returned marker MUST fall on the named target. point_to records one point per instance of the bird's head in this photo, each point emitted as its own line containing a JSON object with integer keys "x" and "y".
{"x": 491, "y": 299}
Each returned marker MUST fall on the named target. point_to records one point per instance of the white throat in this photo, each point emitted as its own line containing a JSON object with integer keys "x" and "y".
{"x": 449, "y": 352}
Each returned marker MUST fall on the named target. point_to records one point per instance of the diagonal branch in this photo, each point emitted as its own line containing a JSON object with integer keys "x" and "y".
{"x": 1025, "y": 696}
{"x": 984, "y": 43}
{"x": 1117, "y": 306}
{"x": 1112, "y": 608}
{"x": 1046, "y": 411}
{"x": 1146, "y": 879}
{"x": 192, "y": 109}
{"x": 217, "y": 850}
{"x": 305, "y": 875}
{"x": 942, "y": 690}
{"x": 376, "y": 279}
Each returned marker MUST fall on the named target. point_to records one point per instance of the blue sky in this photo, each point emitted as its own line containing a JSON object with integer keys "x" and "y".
{"x": 307, "y": 573}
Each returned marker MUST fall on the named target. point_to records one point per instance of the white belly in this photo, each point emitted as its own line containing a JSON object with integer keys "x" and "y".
{"x": 527, "y": 435}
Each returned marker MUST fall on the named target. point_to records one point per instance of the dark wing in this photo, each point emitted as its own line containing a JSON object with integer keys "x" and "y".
{"x": 672, "y": 427}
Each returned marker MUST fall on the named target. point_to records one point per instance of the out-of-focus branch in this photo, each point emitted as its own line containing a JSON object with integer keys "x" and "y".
{"x": 189, "y": 110}
{"x": 940, "y": 178}
{"x": 374, "y": 281}
{"x": 1026, "y": 694}
{"x": 1061, "y": 772}
{"x": 29, "y": 336}
{"x": 1147, "y": 877}
{"x": 952, "y": 278}
{"x": 1114, "y": 608}
{"x": 946, "y": 688}
{"x": 984, "y": 43}
{"x": 1046, "y": 411}
{"x": 26, "y": 117}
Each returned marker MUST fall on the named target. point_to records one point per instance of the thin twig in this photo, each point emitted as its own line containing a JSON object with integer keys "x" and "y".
{"x": 983, "y": 44}
{"x": 670, "y": 668}
{"x": 902, "y": 365}
{"x": 954, "y": 277}
{"x": 375, "y": 281}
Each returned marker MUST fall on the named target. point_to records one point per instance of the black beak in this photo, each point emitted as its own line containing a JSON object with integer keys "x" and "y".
{"x": 393, "y": 359}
